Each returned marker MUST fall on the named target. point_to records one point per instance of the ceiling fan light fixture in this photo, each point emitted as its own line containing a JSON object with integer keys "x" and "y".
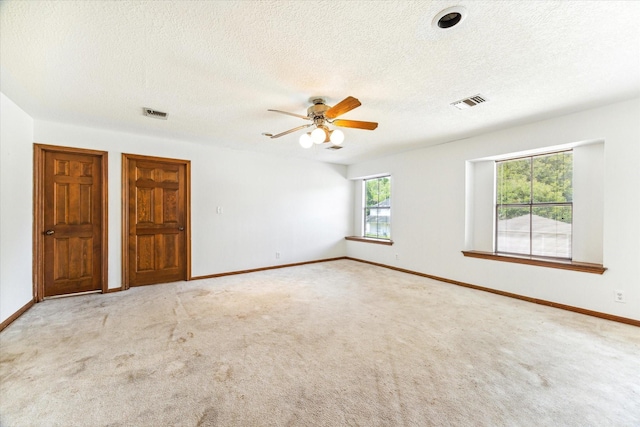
{"x": 319, "y": 135}
{"x": 336, "y": 137}
{"x": 320, "y": 114}
{"x": 305, "y": 140}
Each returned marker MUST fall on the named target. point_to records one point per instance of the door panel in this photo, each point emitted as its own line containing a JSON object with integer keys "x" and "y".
{"x": 157, "y": 217}
{"x": 73, "y": 222}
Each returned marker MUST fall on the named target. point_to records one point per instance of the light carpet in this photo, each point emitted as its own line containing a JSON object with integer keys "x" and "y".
{"x": 338, "y": 343}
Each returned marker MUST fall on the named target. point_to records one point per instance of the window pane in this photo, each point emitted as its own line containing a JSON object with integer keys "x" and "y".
{"x": 513, "y": 179}
{"x": 371, "y": 188}
{"x": 552, "y": 178}
{"x": 378, "y": 223}
{"x": 514, "y": 230}
{"x": 543, "y": 184}
{"x": 377, "y": 190}
{"x": 551, "y": 231}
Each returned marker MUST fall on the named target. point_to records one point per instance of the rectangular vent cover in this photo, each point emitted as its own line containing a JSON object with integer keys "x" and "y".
{"x": 472, "y": 101}
{"x": 150, "y": 112}
{"x": 334, "y": 147}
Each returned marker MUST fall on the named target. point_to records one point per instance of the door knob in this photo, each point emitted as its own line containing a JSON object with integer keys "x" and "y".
{"x": 181, "y": 228}
{"x": 49, "y": 232}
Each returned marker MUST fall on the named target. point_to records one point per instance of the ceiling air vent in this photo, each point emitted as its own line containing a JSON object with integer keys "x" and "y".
{"x": 334, "y": 147}
{"x": 472, "y": 101}
{"x": 149, "y": 112}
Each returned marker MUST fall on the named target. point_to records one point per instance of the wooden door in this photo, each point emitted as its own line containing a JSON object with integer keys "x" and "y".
{"x": 156, "y": 219}
{"x": 70, "y": 216}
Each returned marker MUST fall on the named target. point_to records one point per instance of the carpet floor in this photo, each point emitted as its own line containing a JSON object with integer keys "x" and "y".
{"x": 339, "y": 343}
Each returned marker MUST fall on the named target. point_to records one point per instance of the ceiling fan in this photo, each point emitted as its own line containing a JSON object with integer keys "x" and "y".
{"x": 321, "y": 114}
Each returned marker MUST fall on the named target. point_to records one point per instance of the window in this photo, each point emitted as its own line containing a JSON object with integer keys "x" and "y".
{"x": 534, "y": 205}
{"x": 377, "y": 208}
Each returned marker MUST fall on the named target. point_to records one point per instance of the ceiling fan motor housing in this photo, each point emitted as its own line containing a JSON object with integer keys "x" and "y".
{"x": 317, "y": 110}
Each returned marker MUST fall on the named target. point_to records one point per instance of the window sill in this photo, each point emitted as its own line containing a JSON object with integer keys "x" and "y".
{"x": 584, "y": 267}
{"x": 370, "y": 240}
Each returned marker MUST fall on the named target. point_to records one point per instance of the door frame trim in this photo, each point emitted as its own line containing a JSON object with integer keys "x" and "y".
{"x": 39, "y": 151}
{"x": 126, "y": 157}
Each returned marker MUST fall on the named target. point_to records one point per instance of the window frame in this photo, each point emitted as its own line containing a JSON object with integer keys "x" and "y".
{"x": 363, "y": 220}
{"x": 531, "y": 206}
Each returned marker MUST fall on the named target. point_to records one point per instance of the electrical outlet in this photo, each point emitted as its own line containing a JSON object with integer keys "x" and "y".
{"x": 277, "y": 255}
{"x": 397, "y": 257}
{"x": 619, "y": 296}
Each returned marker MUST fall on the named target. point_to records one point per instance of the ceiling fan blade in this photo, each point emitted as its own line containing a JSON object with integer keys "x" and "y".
{"x": 288, "y": 131}
{"x": 344, "y": 106}
{"x": 355, "y": 124}
{"x": 290, "y": 114}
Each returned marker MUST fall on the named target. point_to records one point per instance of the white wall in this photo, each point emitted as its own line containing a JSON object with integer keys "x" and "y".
{"x": 588, "y": 200}
{"x": 429, "y": 211}
{"x": 299, "y": 208}
{"x": 479, "y": 205}
{"x": 16, "y": 189}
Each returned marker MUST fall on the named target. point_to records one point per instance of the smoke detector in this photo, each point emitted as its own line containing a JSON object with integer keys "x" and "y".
{"x": 469, "y": 102}
{"x": 150, "y": 112}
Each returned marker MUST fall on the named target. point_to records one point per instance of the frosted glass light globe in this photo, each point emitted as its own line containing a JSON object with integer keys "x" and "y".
{"x": 305, "y": 140}
{"x": 318, "y": 136}
{"x": 337, "y": 137}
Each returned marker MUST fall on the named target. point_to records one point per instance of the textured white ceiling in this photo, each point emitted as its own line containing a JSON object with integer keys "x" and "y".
{"x": 217, "y": 66}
